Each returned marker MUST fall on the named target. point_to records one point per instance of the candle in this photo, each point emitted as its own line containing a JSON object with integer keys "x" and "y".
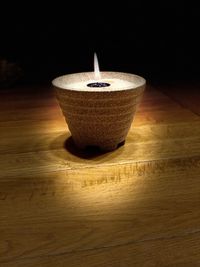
{"x": 99, "y": 106}
{"x": 96, "y": 82}
{"x": 99, "y": 82}
{"x": 103, "y": 84}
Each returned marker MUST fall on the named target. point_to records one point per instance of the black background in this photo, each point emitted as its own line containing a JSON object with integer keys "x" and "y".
{"x": 159, "y": 41}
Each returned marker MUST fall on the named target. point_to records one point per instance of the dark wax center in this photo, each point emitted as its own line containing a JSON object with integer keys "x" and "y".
{"x": 98, "y": 84}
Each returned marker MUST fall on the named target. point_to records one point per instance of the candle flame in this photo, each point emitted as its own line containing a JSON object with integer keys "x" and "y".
{"x": 97, "y": 74}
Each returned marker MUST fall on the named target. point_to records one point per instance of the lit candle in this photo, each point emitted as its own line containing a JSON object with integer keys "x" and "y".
{"x": 99, "y": 106}
{"x": 96, "y": 81}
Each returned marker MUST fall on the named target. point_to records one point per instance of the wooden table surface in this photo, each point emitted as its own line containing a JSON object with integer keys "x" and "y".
{"x": 136, "y": 206}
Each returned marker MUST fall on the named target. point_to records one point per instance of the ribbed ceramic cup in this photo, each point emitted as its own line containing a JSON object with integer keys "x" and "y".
{"x": 99, "y": 116}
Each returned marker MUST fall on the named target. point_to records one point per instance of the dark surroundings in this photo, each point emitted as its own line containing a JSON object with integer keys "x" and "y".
{"x": 158, "y": 41}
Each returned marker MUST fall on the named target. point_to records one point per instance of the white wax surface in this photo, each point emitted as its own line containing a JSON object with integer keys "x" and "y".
{"x": 115, "y": 84}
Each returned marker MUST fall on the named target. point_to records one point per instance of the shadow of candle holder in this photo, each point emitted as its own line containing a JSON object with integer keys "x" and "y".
{"x": 64, "y": 143}
{"x": 89, "y": 152}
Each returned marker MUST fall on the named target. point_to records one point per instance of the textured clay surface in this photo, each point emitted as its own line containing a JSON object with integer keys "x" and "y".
{"x": 100, "y": 118}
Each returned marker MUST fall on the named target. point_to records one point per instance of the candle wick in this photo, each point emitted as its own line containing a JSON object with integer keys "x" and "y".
{"x": 98, "y": 84}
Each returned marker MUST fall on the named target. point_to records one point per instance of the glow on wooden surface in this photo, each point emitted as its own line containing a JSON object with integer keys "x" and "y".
{"x": 107, "y": 192}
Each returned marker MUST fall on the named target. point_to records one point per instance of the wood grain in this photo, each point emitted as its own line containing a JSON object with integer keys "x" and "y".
{"x": 186, "y": 94}
{"x": 136, "y": 206}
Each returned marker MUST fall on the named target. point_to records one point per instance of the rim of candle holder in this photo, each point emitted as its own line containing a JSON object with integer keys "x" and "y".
{"x": 64, "y": 81}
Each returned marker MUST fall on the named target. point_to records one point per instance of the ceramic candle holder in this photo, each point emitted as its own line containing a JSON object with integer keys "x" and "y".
{"x": 99, "y": 116}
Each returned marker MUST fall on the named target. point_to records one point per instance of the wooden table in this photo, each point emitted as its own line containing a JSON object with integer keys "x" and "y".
{"x": 137, "y": 206}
